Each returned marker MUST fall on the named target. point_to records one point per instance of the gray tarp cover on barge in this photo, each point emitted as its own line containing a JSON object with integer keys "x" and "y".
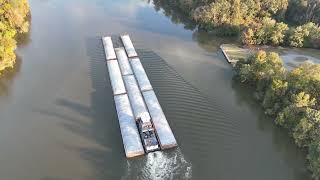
{"x": 123, "y": 61}
{"x": 108, "y": 48}
{"x": 165, "y": 135}
{"x": 130, "y": 135}
{"x": 129, "y": 46}
{"x": 115, "y": 77}
{"x": 141, "y": 75}
{"x": 135, "y": 96}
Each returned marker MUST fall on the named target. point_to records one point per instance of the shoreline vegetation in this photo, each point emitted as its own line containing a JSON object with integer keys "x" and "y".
{"x": 13, "y": 21}
{"x": 292, "y": 98}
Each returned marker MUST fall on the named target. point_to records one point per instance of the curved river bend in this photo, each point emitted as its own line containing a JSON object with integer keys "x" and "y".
{"x": 58, "y": 120}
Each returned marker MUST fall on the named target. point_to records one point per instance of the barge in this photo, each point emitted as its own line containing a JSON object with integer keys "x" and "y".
{"x": 144, "y": 127}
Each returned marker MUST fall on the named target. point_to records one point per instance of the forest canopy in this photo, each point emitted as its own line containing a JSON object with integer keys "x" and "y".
{"x": 13, "y": 20}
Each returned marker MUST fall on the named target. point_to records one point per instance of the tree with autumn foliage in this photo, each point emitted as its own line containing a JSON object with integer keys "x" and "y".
{"x": 13, "y": 20}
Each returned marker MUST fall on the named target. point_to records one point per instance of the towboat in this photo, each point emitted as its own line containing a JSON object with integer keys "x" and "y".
{"x": 147, "y": 134}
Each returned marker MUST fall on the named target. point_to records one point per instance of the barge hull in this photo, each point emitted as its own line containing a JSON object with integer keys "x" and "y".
{"x": 129, "y": 132}
{"x": 164, "y": 132}
{"x": 135, "y": 96}
{"x": 129, "y": 46}
{"x": 108, "y": 48}
{"x": 140, "y": 74}
{"x": 116, "y": 78}
{"x": 123, "y": 61}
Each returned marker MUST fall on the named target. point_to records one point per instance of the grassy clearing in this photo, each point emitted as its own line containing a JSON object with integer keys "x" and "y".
{"x": 292, "y": 57}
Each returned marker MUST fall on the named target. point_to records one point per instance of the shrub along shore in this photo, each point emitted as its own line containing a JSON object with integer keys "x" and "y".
{"x": 292, "y": 98}
{"x": 13, "y": 20}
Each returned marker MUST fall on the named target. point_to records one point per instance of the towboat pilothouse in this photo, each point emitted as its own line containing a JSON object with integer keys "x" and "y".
{"x": 147, "y": 134}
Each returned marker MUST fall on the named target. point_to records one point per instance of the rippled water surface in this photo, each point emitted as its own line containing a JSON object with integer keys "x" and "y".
{"x": 58, "y": 120}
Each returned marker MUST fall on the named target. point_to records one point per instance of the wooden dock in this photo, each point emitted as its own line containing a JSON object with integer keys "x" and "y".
{"x": 134, "y": 97}
{"x": 234, "y": 53}
{"x": 229, "y": 59}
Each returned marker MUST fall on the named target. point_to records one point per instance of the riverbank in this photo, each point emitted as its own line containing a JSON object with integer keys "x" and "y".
{"x": 13, "y": 16}
{"x": 291, "y": 96}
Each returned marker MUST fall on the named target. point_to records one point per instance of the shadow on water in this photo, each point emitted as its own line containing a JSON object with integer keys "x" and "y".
{"x": 281, "y": 141}
{"x": 24, "y": 38}
{"x": 104, "y": 128}
{"x": 108, "y": 160}
{"x": 7, "y": 77}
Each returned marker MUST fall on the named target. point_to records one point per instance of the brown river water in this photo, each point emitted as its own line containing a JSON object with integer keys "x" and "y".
{"x": 57, "y": 115}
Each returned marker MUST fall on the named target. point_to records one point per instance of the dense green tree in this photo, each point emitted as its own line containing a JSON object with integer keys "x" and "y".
{"x": 307, "y": 130}
{"x": 248, "y": 37}
{"x": 303, "y": 11}
{"x": 295, "y": 111}
{"x": 237, "y": 12}
{"x": 306, "y": 78}
{"x": 305, "y": 35}
{"x": 314, "y": 158}
{"x": 266, "y": 32}
{"x": 271, "y": 102}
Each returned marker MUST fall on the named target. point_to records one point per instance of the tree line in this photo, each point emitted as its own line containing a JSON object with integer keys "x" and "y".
{"x": 291, "y": 98}
{"x": 13, "y": 20}
{"x": 274, "y": 22}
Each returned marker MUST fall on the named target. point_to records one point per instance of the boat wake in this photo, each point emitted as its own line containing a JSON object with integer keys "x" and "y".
{"x": 159, "y": 165}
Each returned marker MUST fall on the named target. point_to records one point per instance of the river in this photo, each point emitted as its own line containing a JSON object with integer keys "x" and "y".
{"x": 57, "y": 115}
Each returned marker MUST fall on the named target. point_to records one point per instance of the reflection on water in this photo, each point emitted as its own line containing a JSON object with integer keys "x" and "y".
{"x": 206, "y": 40}
{"x": 168, "y": 164}
{"x": 7, "y": 78}
{"x": 209, "y": 42}
{"x": 174, "y": 14}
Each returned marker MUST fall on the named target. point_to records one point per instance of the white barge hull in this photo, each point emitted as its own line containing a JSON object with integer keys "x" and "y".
{"x": 108, "y": 48}
{"x": 140, "y": 74}
{"x": 123, "y": 61}
{"x": 116, "y": 78}
{"x": 135, "y": 96}
{"x": 164, "y": 132}
{"x": 129, "y": 132}
{"x": 129, "y": 46}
